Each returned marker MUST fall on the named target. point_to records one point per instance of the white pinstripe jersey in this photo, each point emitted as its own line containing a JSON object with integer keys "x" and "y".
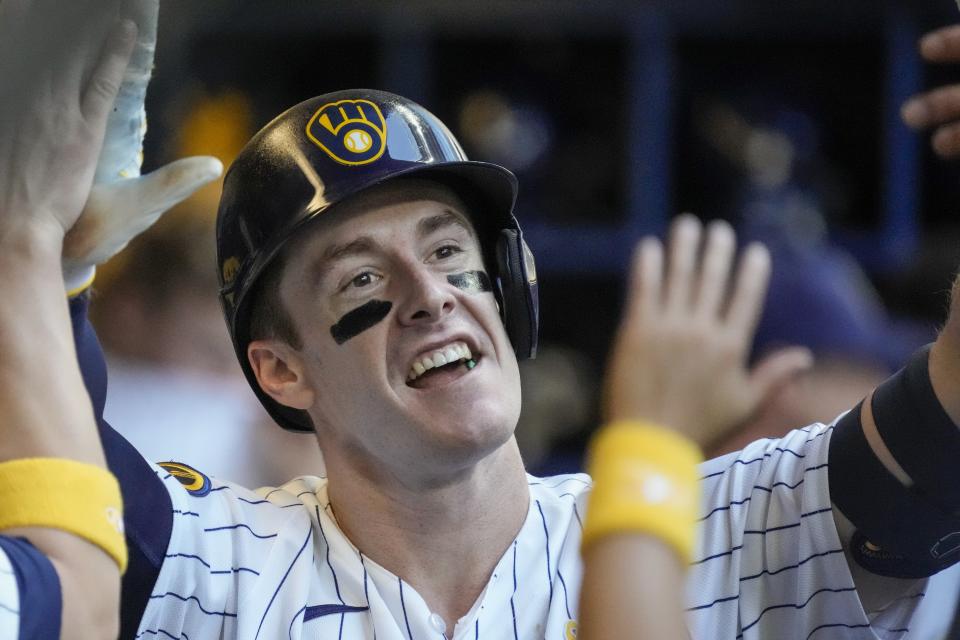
{"x": 274, "y": 564}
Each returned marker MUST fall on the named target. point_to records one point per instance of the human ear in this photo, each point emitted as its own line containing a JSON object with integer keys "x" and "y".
{"x": 280, "y": 373}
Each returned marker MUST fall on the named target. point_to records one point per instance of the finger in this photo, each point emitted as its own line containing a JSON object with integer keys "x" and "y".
{"x": 101, "y": 90}
{"x": 144, "y": 13}
{"x": 777, "y": 369}
{"x": 942, "y": 45}
{"x": 932, "y": 108}
{"x": 750, "y": 289}
{"x": 119, "y": 211}
{"x": 684, "y": 243}
{"x": 717, "y": 259}
{"x": 645, "y": 279}
{"x": 173, "y": 183}
{"x": 946, "y": 141}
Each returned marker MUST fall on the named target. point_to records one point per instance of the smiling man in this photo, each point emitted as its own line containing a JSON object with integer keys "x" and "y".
{"x": 361, "y": 306}
{"x": 409, "y": 380}
{"x": 406, "y": 250}
{"x": 379, "y": 293}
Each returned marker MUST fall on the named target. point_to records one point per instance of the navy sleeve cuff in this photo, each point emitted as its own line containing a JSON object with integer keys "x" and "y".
{"x": 39, "y": 587}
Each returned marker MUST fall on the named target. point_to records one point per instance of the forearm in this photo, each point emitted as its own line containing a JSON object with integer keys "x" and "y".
{"x": 45, "y": 412}
{"x": 620, "y": 597}
{"x": 638, "y": 536}
{"x": 43, "y": 403}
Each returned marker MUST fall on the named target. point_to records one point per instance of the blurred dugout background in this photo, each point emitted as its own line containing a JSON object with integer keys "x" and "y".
{"x": 780, "y": 117}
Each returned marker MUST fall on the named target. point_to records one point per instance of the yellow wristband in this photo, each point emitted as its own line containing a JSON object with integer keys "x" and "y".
{"x": 79, "y": 498}
{"x": 645, "y": 480}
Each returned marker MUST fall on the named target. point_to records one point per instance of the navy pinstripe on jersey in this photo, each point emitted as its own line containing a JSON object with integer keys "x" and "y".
{"x": 238, "y": 564}
{"x": 275, "y": 564}
{"x": 770, "y": 563}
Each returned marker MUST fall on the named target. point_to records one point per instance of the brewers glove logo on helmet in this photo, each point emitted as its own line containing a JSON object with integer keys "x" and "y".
{"x": 351, "y": 132}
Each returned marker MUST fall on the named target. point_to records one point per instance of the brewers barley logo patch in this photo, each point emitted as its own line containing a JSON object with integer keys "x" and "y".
{"x": 352, "y": 132}
{"x": 196, "y": 483}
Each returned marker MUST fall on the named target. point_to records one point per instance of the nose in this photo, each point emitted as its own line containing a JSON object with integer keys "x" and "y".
{"x": 428, "y": 297}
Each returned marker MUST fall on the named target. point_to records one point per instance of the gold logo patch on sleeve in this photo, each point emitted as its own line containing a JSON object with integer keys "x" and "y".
{"x": 196, "y": 483}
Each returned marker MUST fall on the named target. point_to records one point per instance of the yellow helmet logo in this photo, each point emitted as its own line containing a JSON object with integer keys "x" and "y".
{"x": 352, "y": 132}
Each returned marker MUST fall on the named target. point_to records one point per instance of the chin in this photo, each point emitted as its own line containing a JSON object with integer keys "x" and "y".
{"x": 474, "y": 437}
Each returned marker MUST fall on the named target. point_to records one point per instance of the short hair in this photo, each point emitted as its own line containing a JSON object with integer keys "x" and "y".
{"x": 269, "y": 318}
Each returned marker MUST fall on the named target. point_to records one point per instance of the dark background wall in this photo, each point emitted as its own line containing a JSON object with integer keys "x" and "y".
{"x": 618, "y": 115}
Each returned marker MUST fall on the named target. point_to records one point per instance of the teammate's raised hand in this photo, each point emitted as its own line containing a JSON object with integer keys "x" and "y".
{"x": 122, "y": 203}
{"x": 61, "y": 64}
{"x": 680, "y": 355}
{"x": 940, "y": 107}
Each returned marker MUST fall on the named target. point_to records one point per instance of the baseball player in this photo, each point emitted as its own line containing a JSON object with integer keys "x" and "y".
{"x": 379, "y": 292}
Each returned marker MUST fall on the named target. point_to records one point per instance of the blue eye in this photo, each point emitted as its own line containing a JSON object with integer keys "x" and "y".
{"x": 447, "y": 251}
{"x": 364, "y": 279}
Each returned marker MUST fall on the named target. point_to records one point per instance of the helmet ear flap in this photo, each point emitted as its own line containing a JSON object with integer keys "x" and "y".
{"x": 518, "y": 289}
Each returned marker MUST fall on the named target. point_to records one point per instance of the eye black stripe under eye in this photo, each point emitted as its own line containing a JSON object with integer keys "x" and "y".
{"x": 359, "y": 320}
{"x": 472, "y": 281}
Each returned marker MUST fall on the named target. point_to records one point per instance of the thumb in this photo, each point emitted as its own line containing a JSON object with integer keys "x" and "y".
{"x": 776, "y": 369}
{"x": 118, "y": 211}
{"x": 173, "y": 183}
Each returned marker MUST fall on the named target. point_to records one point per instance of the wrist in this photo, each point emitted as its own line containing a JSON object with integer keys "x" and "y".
{"x": 675, "y": 422}
{"x": 32, "y": 241}
{"x": 645, "y": 482}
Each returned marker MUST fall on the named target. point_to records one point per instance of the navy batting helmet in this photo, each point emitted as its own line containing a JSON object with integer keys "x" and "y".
{"x": 326, "y": 149}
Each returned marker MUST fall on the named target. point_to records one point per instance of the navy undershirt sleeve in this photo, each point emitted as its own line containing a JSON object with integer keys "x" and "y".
{"x": 148, "y": 511}
{"x": 39, "y": 589}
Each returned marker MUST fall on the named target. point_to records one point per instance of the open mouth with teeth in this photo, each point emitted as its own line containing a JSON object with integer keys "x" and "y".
{"x": 441, "y": 365}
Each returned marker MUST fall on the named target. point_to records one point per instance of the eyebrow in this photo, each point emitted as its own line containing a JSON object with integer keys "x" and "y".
{"x": 446, "y": 219}
{"x": 363, "y": 244}
{"x": 333, "y": 253}
{"x": 366, "y": 244}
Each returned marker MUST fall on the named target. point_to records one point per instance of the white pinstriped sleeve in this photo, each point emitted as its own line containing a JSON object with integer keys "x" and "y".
{"x": 9, "y": 600}
{"x": 769, "y": 562}
{"x": 224, "y": 537}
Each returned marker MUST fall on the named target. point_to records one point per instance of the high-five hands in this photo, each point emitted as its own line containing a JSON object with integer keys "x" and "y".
{"x": 680, "y": 358}
{"x": 123, "y": 204}
{"x": 62, "y": 64}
